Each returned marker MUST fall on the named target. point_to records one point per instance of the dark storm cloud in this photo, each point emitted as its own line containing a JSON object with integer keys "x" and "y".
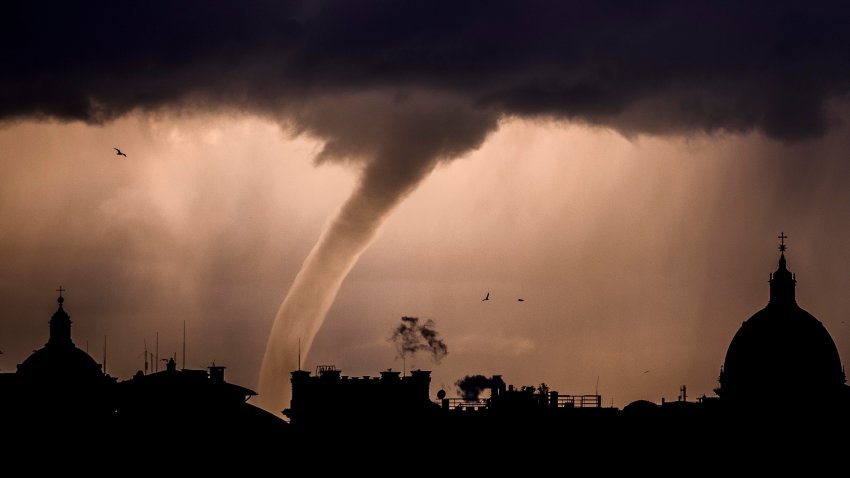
{"x": 639, "y": 67}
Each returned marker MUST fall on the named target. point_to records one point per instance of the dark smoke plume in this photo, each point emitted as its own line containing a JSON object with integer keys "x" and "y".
{"x": 471, "y": 386}
{"x": 411, "y": 337}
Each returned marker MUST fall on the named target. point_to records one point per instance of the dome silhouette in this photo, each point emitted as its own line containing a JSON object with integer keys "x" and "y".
{"x": 60, "y": 363}
{"x": 60, "y": 360}
{"x": 781, "y": 352}
{"x": 640, "y": 407}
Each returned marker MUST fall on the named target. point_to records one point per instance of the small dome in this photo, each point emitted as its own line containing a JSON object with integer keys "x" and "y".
{"x": 640, "y": 407}
{"x": 59, "y": 360}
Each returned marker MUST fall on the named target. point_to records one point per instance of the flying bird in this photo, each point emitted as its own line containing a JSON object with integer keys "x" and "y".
{"x": 520, "y": 300}
{"x": 646, "y": 371}
{"x": 118, "y": 152}
{"x": 487, "y": 297}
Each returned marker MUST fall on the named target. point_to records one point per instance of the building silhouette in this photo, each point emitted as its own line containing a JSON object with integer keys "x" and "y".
{"x": 61, "y": 389}
{"x": 59, "y": 384}
{"x": 194, "y": 404}
{"x": 331, "y": 401}
{"x": 782, "y": 355}
{"x": 60, "y": 360}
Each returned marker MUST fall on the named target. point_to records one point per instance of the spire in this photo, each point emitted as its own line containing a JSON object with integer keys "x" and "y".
{"x": 782, "y": 282}
{"x": 60, "y": 324}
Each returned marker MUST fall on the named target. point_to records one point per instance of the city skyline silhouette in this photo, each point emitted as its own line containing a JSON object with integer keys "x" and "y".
{"x": 781, "y": 381}
{"x": 781, "y": 351}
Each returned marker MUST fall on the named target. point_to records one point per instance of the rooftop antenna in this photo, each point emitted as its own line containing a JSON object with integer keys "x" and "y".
{"x": 146, "y": 357}
{"x": 156, "y": 362}
{"x": 596, "y": 390}
{"x": 184, "y": 344}
{"x": 299, "y": 354}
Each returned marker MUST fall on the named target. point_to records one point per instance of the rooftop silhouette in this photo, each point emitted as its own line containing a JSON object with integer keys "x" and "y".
{"x": 60, "y": 388}
{"x": 782, "y": 370}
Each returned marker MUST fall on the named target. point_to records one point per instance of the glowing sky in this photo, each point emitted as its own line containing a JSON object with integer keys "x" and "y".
{"x": 632, "y": 255}
{"x": 625, "y": 169}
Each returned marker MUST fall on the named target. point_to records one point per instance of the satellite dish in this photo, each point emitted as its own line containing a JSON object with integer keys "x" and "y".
{"x": 441, "y": 394}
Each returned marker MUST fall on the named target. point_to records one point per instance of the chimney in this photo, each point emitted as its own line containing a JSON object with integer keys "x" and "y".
{"x": 217, "y": 374}
{"x": 301, "y": 394}
{"x": 420, "y": 384}
{"x": 497, "y": 386}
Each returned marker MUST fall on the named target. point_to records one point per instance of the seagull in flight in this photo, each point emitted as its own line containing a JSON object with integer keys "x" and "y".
{"x": 118, "y": 152}
{"x": 487, "y": 297}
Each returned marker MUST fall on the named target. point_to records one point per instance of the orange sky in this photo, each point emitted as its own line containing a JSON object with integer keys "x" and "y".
{"x": 632, "y": 254}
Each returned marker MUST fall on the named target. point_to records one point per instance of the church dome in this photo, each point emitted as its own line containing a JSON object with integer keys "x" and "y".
{"x": 781, "y": 351}
{"x": 61, "y": 363}
{"x": 60, "y": 360}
